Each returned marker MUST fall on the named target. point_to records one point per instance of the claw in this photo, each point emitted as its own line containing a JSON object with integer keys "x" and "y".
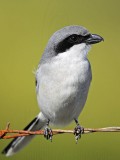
{"x": 78, "y": 131}
{"x": 48, "y": 132}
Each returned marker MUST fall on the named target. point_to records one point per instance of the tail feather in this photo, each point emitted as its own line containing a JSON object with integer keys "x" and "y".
{"x": 18, "y": 143}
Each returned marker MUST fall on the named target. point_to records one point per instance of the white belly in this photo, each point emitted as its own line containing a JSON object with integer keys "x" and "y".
{"x": 62, "y": 89}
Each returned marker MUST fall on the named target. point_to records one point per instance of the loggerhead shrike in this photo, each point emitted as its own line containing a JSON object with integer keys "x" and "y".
{"x": 63, "y": 78}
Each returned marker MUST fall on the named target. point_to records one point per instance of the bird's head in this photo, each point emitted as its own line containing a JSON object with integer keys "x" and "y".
{"x": 68, "y": 37}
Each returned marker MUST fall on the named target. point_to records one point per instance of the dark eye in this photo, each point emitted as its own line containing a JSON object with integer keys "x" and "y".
{"x": 73, "y": 38}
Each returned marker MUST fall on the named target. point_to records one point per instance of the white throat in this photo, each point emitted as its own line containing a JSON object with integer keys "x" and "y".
{"x": 79, "y": 51}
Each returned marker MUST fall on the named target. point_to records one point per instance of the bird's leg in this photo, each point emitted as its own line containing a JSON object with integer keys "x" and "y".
{"x": 78, "y": 131}
{"x": 48, "y": 132}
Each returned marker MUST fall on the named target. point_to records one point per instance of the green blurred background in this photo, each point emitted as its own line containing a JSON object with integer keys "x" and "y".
{"x": 25, "y": 27}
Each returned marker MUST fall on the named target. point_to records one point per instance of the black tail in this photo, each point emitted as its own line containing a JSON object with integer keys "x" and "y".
{"x": 18, "y": 143}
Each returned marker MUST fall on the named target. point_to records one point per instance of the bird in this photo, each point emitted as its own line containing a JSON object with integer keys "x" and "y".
{"x": 63, "y": 79}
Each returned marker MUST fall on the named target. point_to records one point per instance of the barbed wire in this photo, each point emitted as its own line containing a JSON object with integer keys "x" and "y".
{"x": 20, "y": 133}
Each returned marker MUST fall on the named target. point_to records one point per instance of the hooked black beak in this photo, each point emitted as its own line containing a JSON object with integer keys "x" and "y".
{"x": 94, "y": 38}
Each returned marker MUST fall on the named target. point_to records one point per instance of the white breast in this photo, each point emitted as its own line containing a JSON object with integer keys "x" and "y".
{"x": 63, "y": 85}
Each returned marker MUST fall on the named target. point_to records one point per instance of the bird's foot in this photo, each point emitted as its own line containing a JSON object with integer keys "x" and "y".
{"x": 48, "y": 132}
{"x": 78, "y": 131}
